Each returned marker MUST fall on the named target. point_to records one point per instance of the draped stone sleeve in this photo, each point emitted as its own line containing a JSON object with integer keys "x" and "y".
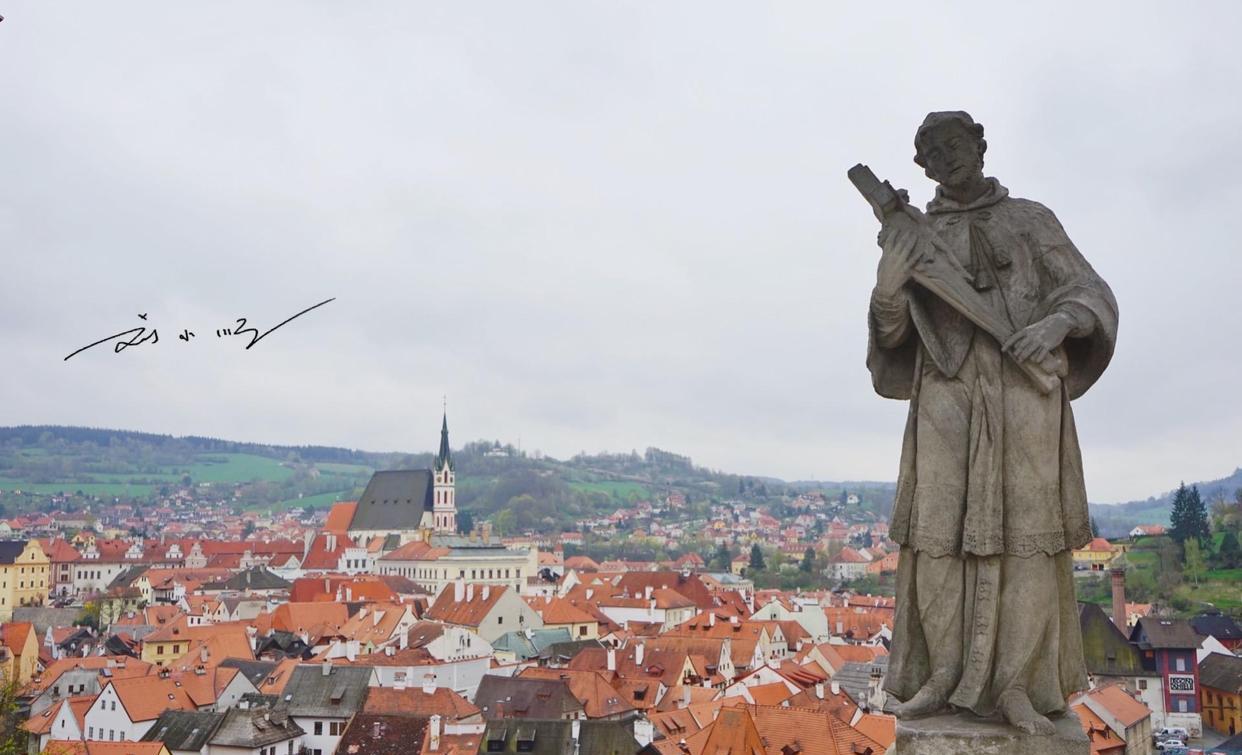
{"x": 1070, "y": 286}
{"x": 891, "y": 351}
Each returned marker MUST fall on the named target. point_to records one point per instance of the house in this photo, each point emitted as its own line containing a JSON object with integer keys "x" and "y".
{"x": 1111, "y": 659}
{"x": 65, "y": 720}
{"x": 567, "y": 614}
{"x": 1103, "y": 740}
{"x": 439, "y": 559}
{"x": 18, "y": 637}
{"x": 237, "y": 731}
{"x": 849, "y": 564}
{"x": 599, "y": 698}
{"x": 1147, "y": 530}
{"x": 1225, "y": 629}
{"x": 558, "y": 737}
{"x": 1220, "y": 679}
{"x": 126, "y": 708}
{"x": 1095, "y": 555}
{"x": 1125, "y": 716}
{"x": 504, "y": 697}
{"x": 321, "y": 699}
{"x": 1168, "y": 647}
{"x": 25, "y": 576}
{"x": 486, "y": 610}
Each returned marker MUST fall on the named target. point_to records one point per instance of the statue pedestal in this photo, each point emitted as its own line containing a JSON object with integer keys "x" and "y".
{"x": 954, "y": 734}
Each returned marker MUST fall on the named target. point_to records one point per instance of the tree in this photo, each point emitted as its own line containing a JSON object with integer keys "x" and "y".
{"x": 1189, "y": 516}
{"x": 12, "y": 736}
{"x": 721, "y": 559}
{"x": 1193, "y": 558}
{"x": 756, "y": 558}
{"x": 808, "y": 560}
{"x": 1095, "y": 528}
{"x": 465, "y": 522}
{"x": 1229, "y": 556}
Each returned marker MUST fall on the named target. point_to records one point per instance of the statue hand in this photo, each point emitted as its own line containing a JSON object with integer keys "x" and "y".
{"x": 897, "y": 261}
{"x": 1036, "y": 341}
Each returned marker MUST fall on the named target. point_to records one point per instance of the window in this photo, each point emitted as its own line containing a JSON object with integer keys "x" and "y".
{"x": 336, "y": 728}
{"x": 319, "y": 728}
{"x": 1181, "y": 664}
{"x": 1142, "y": 684}
{"x": 91, "y": 733}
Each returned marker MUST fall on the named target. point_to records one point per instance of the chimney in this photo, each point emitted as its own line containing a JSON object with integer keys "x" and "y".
{"x": 589, "y": 593}
{"x": 375, "y": 729}
{"x": 375, "y": 617}
{"x": 459, "y": 590}
{"x": 326, "y": 668}
{"x": 575, "y": 728}
{"x": 487, "y": 590}
{"x": 644, "y": 731}
{"x": 434, "y": 733}
{"x": 469, "y": 592}
{"x": 835, "y": 687}
{"x": 1118, "y": 575}
{"x": 711, "y": 619}
{"x": 638, "y": 654}
{"x": 612, "y": 659}
{"x": 429, "y": 684}
{"x": 202, "y": 653}
{"x": 331, "y": 542}
{"x": 648, "y": 592}
{"x": 351, "y": 650}
{"x": 733, "y": 620}
{"x": 685, "y": 696}
{"x": 819, "y": 690}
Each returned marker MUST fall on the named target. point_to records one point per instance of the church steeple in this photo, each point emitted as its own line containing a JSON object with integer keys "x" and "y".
{"x": 444, "y": 458}
{"x": 444, "y": 511}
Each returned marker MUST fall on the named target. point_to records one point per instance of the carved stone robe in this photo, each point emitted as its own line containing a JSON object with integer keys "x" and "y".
{"x": 990, "y": 466}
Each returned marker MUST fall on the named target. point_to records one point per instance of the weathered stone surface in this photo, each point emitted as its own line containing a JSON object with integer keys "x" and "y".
{"x": 988, "y": 320}
{"x": 955, "y": 735}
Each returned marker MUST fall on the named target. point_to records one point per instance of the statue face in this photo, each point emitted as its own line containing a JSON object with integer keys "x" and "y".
{"x": 952, "y": 155}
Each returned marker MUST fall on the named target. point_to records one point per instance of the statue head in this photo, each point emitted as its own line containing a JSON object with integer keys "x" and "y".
{"x": 949, "y": 146}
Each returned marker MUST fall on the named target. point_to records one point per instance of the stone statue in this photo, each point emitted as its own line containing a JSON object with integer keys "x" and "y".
{"x": 990, "y": 496}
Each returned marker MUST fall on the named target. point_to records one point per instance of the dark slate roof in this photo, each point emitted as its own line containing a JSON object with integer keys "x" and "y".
{"x": 255, "y": 728}
{"x": 128, "y": 575}
{"x": 383, "y": 734}
{"x": 554, "y": 737}
{"x": 394, "y": 500}
{"x": 855, "y": 678}
{"x": 1156, "y": 633}
{"x": 1216, "y": 624}
{"x": 10, "y": 550}
{"x": 508, "y": 697}
{"x": 255, "y": 671}
{"x": 561, "y": 653}
{"x": 184, "y": 729}
{"x": 1222, "y": 672}
{"x": 258, "y": 578}
{"x": 1105, "y": 649}
{"x": 527, "y": 644}
{"x": 337, "y": 694}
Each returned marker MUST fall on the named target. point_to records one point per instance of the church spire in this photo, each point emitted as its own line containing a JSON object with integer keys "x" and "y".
{"x": 444, "y": 458}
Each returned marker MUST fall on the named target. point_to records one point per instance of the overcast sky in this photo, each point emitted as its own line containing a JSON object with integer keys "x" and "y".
{"x": 594, "y": 226}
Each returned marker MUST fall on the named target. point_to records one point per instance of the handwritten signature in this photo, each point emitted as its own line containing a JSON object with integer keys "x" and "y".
{"x": 140, "y": 335}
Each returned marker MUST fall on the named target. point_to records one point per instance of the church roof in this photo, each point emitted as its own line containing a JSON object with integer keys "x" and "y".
{"x": 394, "y": 500}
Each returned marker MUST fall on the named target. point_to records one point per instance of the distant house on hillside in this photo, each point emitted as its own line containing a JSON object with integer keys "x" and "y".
{"x": 1147, "y": 530}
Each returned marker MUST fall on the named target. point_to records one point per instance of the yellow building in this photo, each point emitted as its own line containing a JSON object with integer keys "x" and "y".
{"x": 21, "y": 649}
{"x": 1220, "y": 682}
{"x": 1095, "y": 555}
{"x": 24, "y": 575}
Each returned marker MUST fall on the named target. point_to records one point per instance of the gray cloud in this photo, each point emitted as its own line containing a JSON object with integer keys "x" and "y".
{"x": 594, "y": 225}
